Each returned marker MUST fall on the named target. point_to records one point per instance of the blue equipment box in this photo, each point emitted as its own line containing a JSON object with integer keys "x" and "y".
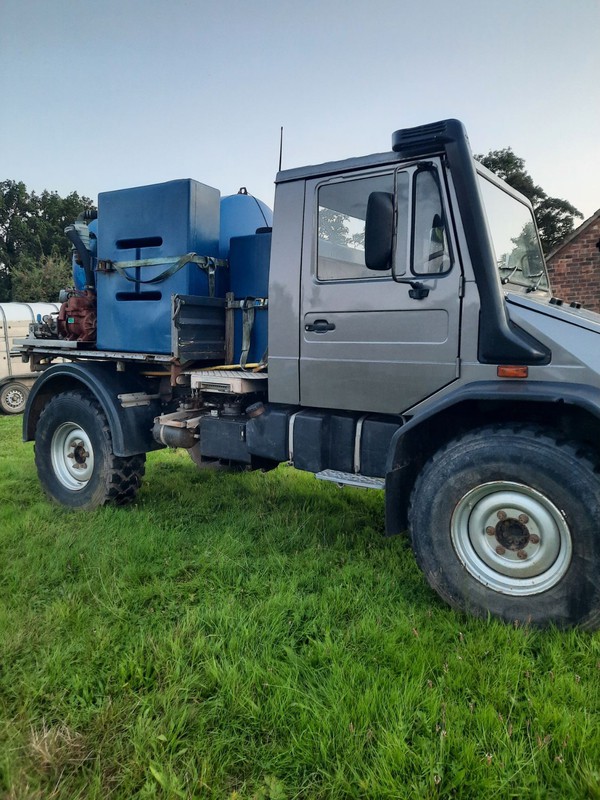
{"x": 249, "y": 261}
{"x": 163, "y": 220}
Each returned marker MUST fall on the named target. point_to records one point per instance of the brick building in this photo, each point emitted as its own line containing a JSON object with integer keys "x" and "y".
{"x": 574, "y": 265}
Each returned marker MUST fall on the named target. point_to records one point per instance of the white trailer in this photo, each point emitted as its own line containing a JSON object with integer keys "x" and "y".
{"x": 15, "y": 377}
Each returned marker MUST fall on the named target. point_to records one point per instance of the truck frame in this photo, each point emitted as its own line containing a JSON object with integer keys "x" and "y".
{"x": 414, "y": 345}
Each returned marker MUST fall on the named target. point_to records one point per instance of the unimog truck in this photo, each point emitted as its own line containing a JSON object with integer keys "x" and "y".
{"x": 391, "y": 327}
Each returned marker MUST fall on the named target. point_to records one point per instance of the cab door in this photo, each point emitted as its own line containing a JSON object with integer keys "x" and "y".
{"x": 368, "y": 342}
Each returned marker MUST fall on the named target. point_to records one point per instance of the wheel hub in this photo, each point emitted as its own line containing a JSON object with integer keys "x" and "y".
{"x": 14, "y": 399}
{"x": 511, "y": 538}
{"x": 512, "y": 534}
{"x": 72, "y": 456}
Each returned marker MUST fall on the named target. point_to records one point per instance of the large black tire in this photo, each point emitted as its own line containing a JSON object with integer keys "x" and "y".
{"x": 506, "y": 521}
{"x": 73, "y": 454}
{"x": 13, "y": 397}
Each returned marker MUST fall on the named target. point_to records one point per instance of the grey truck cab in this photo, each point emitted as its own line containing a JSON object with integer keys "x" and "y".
{"x": 414, "y": 346}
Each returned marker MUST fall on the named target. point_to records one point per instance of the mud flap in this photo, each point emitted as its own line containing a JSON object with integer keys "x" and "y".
{"x": 398, "y": 484}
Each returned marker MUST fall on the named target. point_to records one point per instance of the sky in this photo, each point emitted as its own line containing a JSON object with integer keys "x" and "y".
{"x": 105, "y": 94}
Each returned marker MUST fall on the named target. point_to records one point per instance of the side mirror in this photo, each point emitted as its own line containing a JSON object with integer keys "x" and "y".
{"x": 379, "y": 231}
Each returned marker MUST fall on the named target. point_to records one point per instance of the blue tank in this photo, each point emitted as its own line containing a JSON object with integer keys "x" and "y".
{"x": 249, "y": 261}
{"x": 241, "y": 215}
{"x": 161, "y": 221}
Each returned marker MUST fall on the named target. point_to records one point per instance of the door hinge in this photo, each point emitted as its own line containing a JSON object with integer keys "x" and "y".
{"x": 461, "y": 286}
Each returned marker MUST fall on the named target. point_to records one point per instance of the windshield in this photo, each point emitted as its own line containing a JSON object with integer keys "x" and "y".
{"x": 514, "y": 238}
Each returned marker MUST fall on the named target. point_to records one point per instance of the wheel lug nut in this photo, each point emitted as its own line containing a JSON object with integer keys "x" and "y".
{"x": 500, "y": 550}
{"x": 523, "y": 519}
{"x": 501, "y": 515}
{"x": 490, "y": 531}
{"x": 534, "y": 538}
{"x": 521, "y": 554}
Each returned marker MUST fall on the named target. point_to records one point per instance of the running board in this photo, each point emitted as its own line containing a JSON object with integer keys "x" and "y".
{"x": 350, "y": 479}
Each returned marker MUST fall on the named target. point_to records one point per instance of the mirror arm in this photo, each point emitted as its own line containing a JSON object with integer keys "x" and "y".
{"x": 418, "y": 291}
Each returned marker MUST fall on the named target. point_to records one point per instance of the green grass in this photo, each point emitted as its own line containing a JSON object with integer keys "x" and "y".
{"x": 254, "y": 636}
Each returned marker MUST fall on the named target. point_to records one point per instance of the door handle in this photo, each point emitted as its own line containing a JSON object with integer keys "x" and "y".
{"x": 320, "y": 326}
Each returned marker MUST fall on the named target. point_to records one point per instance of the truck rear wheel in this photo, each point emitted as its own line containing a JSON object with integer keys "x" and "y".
{"x": 13, "y": 397}
{"x": 504, "y": 521}
{"x": 74, "y": 458}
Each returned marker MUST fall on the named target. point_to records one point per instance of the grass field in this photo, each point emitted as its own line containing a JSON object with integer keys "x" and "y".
{"x": 254, "y": 636}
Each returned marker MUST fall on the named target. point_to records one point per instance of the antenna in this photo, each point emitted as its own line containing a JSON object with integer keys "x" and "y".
{"x": 280, "y": 147}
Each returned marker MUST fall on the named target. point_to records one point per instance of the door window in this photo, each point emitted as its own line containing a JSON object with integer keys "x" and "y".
{"x": 342, "y": 209}
{"x": 341, "y": 228}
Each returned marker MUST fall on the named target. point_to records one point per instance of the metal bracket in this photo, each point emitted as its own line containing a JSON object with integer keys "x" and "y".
{"x": 248, "y": 302}
{"x": 180, "y": 419}
{"x": 134, "y": 399}
{"x": 418, "y": 291}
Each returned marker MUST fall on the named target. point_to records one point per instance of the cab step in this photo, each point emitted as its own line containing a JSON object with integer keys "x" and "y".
{"x": 350, "y": 479}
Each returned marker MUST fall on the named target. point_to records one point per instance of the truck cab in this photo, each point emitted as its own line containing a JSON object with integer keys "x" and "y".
{"x": 410, "y": 320}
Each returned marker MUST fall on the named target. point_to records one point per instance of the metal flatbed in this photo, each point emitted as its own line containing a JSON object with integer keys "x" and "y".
{"x": 62, "y": 348}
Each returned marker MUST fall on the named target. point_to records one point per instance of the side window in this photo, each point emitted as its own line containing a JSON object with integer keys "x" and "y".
{"x": 341, "y": 229}
{"x": 430, "y": 250}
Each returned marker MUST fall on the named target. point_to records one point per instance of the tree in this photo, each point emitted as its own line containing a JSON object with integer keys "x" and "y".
{"x": 14, "y": 207}
{"x": 335, "y": 227}
{"x": 31, "y": 229}
{"x": 555, "y": 217}
{"x": 556, "y": 220}
{"x": 40, "y": 279}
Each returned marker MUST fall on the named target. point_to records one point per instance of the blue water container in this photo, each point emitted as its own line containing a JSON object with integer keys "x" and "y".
{"x": 164, "y": 220}
{"x": 249, "y": 261}
{"x": 241, "y": 215}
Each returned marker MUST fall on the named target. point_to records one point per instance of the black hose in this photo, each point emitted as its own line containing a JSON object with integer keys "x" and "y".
{"x": 88, "y": 215}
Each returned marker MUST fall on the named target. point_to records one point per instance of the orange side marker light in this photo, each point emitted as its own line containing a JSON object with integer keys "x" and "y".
{"x": 507, "y": 371}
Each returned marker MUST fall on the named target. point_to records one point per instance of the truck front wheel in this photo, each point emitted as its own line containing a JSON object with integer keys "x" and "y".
{"x": 74, "y": 458}
{"x": 504, "y": 521}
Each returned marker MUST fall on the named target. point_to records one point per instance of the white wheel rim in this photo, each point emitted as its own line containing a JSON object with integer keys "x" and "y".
{"x": 511, "y": 538}
{"x": 72, "y": 456}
